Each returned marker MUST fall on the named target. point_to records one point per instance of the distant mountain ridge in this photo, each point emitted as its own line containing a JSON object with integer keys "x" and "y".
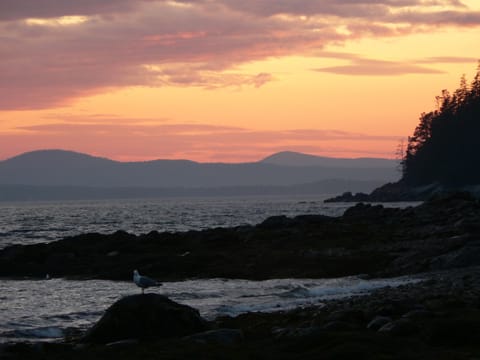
{"x": 67, "y": 168}
{"x": 291, "y": 158}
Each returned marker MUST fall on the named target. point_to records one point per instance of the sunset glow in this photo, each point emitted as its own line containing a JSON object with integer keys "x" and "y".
{"x": 225, "y": 80}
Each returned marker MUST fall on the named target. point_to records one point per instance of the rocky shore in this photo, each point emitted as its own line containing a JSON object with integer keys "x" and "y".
{"x": 441, "y": 233}
{"x": 436, "y": 318}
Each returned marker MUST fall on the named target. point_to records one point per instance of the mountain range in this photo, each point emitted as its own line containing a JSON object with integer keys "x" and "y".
{"x": 71, "y": 170}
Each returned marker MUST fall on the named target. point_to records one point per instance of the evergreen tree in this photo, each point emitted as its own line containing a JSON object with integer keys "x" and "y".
{"x": 444, "y": 146}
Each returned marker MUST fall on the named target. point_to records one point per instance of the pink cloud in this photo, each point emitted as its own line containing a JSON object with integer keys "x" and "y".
{"x": 378, "y": 68}
{"x": 163, "y": 43}
{"x": 14, "y": 9}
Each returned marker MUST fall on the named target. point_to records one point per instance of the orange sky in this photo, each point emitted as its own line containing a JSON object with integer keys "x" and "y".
{"x": 227, "y": 80}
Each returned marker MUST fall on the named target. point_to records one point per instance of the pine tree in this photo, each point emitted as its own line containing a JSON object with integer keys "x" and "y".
{"x": 443, "y": 147}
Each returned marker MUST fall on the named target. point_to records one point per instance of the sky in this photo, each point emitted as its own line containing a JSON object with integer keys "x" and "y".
{"x": 227, "y": 80}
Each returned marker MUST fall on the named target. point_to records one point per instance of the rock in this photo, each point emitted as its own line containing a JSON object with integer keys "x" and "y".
{"x": 274, "y": 222}
{"x": 297, "y": 332}
{"x": 145, "y": 316}
{"x": 218, "y": 337}
{"x": 378, "y": 321}
{"x": 349, "y": 197}
{"x": 402, "y": 327}
{"x": 418, "y": 314}
{"x": 338, "y": 326}
{"x": 123, "y": 343}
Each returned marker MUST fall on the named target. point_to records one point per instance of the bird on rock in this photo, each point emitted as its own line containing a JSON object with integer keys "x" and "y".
{"x": 144, "y": 281}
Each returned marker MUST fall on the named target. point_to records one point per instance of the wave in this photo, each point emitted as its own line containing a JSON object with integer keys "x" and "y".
{"x": 47, "y": 332}
{"x": 344, "y": 287}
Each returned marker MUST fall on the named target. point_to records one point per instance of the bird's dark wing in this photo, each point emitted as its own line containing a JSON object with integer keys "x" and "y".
{"x": 145, "y": 281}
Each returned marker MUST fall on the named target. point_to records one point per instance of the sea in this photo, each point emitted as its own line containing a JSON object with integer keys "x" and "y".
{"x": 47, "y": 310}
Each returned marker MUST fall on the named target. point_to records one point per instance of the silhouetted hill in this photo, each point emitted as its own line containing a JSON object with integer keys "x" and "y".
{"x": 54, "y": 159}
{"x": 58, "y": 172}
{"x": 291, "y": 158}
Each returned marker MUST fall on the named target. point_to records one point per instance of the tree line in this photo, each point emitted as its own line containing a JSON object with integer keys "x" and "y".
{"x": 445, "y": 146}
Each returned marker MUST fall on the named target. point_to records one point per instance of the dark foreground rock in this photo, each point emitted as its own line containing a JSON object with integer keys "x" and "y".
{"x": 442, "y": 233}
{"x": 145, "y": 316}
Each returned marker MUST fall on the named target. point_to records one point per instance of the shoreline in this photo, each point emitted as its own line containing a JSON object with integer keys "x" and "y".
{"x": 437, "y": 318}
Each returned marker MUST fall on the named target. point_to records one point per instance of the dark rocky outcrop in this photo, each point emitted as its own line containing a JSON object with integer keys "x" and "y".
{"x": 394, "y": 192}
{"x": 442, "y": 233}
{"x": 145, "y": 316}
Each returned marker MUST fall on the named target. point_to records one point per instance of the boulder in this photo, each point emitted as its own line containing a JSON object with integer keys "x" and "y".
{"x": 378, "y": 321}
{"x": 145, "y": 316}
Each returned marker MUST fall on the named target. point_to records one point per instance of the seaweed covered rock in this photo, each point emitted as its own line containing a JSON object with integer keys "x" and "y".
{"x": 145, "y": 316}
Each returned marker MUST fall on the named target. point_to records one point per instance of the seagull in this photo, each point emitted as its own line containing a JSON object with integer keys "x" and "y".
{"x": 144, "y": 281}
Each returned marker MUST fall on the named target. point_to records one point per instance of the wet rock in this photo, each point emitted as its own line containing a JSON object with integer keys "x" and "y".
{"x": 145, "y": 316}
{"x": 378, "y": 321}
{"x": 401, "y": 327}
{"x": 418, "y": 314}
{"x": 123, "y": 343}
{"x": 338, "y": 326}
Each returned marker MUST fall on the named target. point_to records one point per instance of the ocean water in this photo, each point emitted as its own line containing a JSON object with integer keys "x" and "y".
{"x": 45, "y": 310}
{"x": 28, "y": 223}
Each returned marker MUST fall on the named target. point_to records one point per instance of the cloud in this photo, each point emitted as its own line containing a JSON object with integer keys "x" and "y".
{"x": 16, "y": 10}
{"x": 439, "y": 18}
{"x": 342, "y": 8}
{"x": 447, "y": 60}
{"x": 121, "y": 43}
{"x": 369, "y": 67}
{"x": 24, "y": 9}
